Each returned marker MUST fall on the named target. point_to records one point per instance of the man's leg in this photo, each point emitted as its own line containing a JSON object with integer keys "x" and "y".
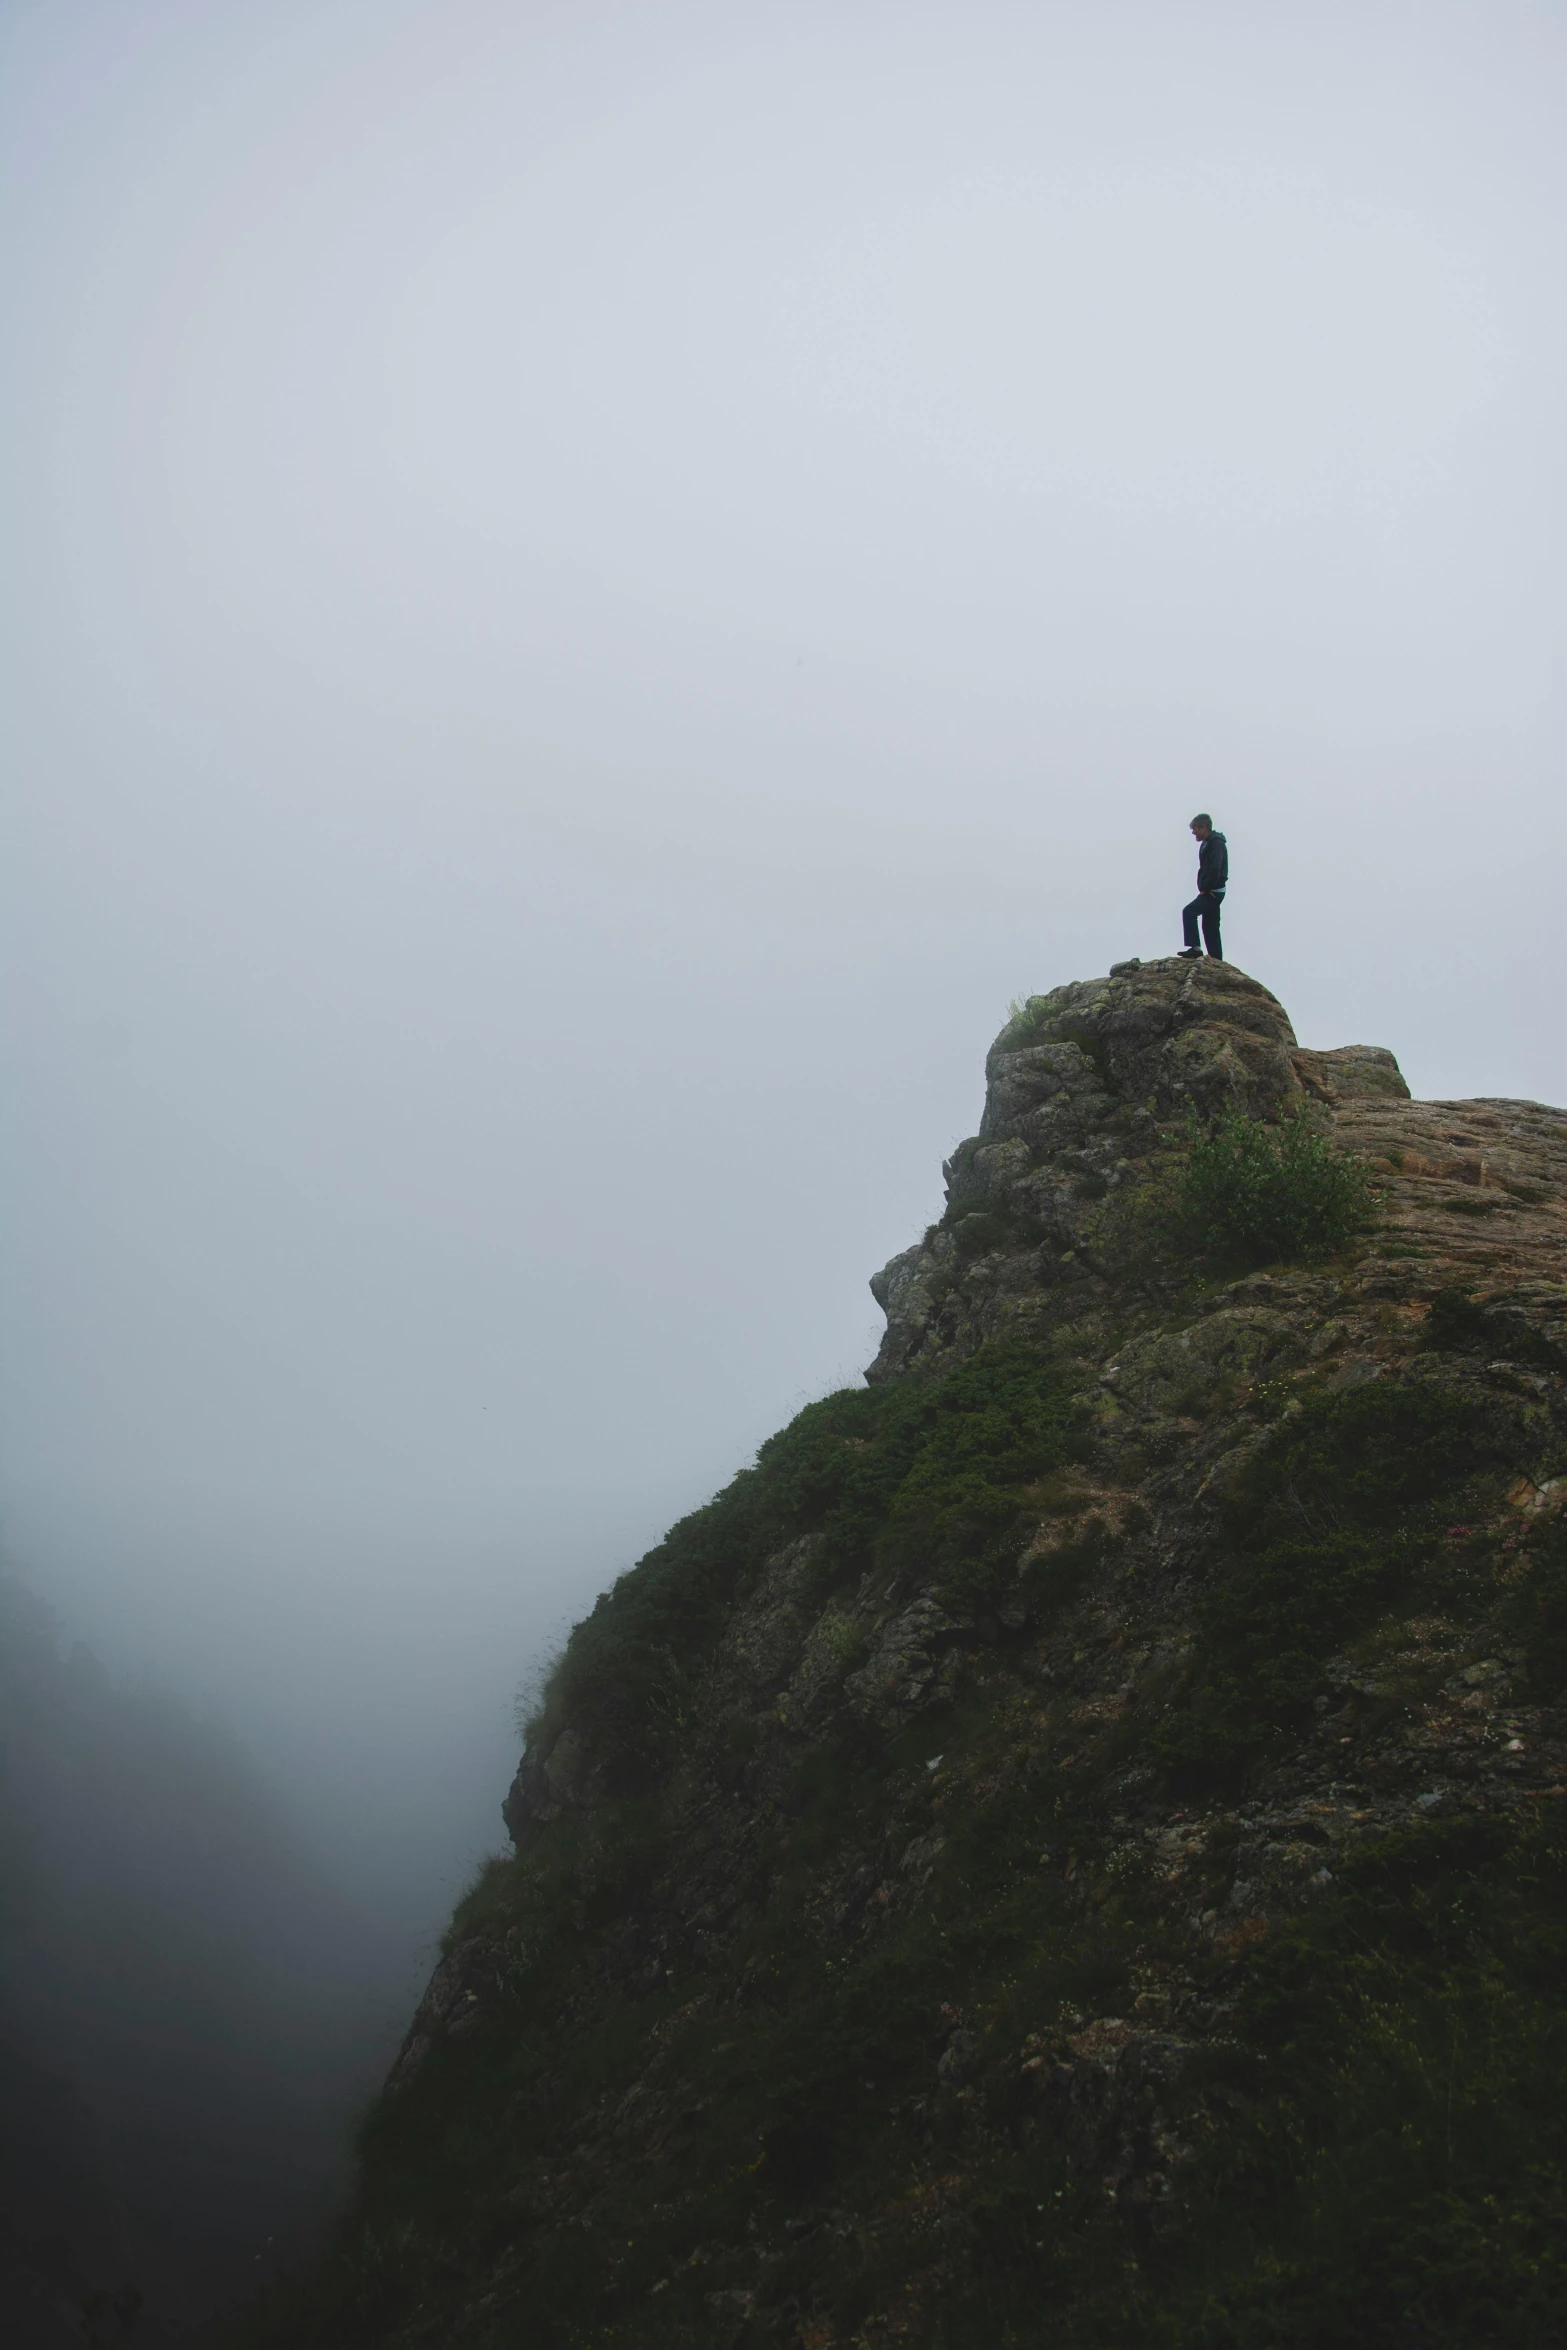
{"x": 1210, "y": 925}
{"x": 1189, "y": 916}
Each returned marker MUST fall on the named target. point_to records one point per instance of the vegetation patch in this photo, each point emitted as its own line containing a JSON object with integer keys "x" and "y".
{"x": 1254, "y": 1193}
{"x": 1348, "y": 1497}
{"x": 1393, "y": 2169}
{"x": 1030, "y": 1021}
{"x": 908, "y": 1476}
{"x": 1239, "y": 1193}
{"x": 1034, "y": 1020}
{"x": 983, "y": 1227}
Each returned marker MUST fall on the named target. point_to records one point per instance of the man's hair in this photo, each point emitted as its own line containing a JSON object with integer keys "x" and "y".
{"x": 1208, "y": 820}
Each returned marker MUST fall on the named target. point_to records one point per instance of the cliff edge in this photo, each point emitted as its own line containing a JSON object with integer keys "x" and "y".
{"x": 1066, "y": 1847}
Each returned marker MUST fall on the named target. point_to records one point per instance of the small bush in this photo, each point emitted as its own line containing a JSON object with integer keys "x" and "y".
{"x": 845, "y": 1641}
{"x": 1254, "y": 1193}
{"x": 1028, "y": 1018}
{"x": 1034, "y": 1019}
{"x": 1363, "y": 1459}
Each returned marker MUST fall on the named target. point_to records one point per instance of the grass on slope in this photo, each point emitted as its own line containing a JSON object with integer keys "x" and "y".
{"x": 880, "y": 1476}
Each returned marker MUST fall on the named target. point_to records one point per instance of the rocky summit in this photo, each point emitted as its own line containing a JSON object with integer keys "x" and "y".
{"x": 1067, "y": 1847}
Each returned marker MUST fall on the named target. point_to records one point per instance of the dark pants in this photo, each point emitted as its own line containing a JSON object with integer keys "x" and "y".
{"x": 1206, "y": 910}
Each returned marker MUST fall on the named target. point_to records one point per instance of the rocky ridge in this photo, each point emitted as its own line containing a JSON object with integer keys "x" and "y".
{"x": 841, "y": 1747}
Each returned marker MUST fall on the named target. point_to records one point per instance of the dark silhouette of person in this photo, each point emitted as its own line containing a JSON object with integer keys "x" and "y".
{"x": 1213, "y": 873}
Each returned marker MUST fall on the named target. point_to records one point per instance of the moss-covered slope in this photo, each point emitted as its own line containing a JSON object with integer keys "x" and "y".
{"x": 1066, "y": 1848}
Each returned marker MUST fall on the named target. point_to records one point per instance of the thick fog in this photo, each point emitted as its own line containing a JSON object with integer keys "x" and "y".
{"x": 592, "y": 590}
{"x": 182, "y": 2003}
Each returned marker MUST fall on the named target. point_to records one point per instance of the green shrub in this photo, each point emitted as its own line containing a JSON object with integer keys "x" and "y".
{"x": 1338, "y": 1510}
{"x": 1361, "y": 1459}
{"x": 845, "y": 1641}
{"x": 1251, "y": 1193}
{"x": 1028, "y": 1018}
{"x": 916, "y": 1474}
{"x": 1003, "y": 1418}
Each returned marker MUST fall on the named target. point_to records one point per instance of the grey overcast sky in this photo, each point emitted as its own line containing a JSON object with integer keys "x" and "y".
{"x": 592, "y": 588}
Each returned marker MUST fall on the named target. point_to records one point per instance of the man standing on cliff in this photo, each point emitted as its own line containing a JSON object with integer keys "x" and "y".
{"x": 1213, "y": 873}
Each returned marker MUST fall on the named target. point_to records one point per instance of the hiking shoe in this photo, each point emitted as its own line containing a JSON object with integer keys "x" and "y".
{"x": 1189, "y": 955}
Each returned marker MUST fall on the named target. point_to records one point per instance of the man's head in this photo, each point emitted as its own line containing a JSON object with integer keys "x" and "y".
{"x": 1201, "y": 827}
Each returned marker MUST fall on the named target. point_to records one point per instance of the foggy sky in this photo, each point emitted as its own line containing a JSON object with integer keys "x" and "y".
{"x": 592, "y": 589}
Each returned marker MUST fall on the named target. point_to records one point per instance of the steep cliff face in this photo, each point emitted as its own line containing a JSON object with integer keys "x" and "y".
{"x": 1065, "y": 1846}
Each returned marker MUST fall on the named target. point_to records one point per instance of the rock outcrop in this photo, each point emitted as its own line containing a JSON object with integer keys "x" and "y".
{"x": 873, "y": 1969}
{"x": 1081, "y": 1087}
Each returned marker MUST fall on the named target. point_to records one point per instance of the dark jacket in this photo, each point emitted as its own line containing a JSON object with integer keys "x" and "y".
{"x": 1213, "y": 863}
